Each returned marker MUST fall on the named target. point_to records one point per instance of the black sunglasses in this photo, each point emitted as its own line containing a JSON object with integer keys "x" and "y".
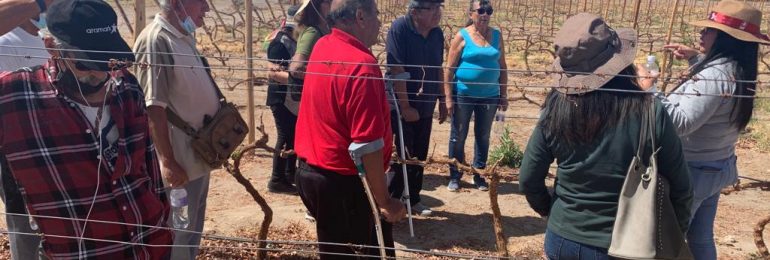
{"x": 487, "y": 10}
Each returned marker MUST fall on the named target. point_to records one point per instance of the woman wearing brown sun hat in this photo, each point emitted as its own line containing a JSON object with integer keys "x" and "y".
{"x": 709, "y": 124}
{"x": 590, "y": 125}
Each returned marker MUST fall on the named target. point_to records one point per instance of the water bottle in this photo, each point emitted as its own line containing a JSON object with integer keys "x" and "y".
{"x": 499, "y": 123}
{"x": 178, "y": 199}
{"x": 32, "y": 223}
{"x": 654, "y": 70}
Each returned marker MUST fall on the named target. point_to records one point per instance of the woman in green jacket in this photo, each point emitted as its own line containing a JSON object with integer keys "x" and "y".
{"x": 590, "y": 126}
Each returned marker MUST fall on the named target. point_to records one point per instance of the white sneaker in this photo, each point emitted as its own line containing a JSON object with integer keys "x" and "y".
{"x": 421, "y": 210}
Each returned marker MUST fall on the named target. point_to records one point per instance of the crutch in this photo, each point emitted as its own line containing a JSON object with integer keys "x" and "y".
{"x": 357, "y": 151}
{"x": 389, "y": 83}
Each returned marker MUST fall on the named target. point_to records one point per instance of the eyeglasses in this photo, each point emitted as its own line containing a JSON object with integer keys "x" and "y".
{"x": 487, "y": 10}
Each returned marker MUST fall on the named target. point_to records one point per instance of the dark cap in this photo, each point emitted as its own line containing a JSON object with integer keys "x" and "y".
{"x": 92, "y": 26}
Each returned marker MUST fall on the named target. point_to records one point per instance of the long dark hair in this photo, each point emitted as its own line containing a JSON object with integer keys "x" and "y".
{"x": 744, "y": 57}
{"x": 579, "y": 119}
{"x": 310, "y": 16}
{"x": 482, "y": 4}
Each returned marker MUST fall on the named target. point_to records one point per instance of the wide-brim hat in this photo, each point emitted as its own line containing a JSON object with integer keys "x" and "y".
{"x": 737, "y": 19}
{"x": 305, "y": 4}
{"x": 589, "y": 53}
{"x": 91, "y": 27}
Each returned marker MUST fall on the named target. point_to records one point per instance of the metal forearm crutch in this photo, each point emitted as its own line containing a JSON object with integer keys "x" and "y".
{"x": 389, "y": 86}
{"x": 357, "y": 151}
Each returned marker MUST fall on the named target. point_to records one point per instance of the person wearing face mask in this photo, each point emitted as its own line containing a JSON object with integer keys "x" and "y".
{"x": 187, "y": 90}
{"x": 76, "y": 140}
{"x": 21, "y": 41}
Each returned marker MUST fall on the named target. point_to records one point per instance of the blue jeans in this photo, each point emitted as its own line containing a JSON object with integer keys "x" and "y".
{"x": 559, "y": 248}
{"x": 707, "y": 178}
{"x": 484, "y": 110}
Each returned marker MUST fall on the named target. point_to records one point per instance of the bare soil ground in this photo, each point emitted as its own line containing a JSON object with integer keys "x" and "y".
{"x": 461, "y": 222}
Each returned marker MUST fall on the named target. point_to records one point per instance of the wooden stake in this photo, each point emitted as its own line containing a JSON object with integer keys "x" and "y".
{"x": 636, "y": 14}
{"x": 553, "y": 16}
{"x": 139, "y": 17}
{"x": 606, "y": 8}
{"x": 125, "y": 18}
{"x": 585, "y": 5}
{"x": 623, "y": 12}
{"x": 249, "y": 44}
{"x": 668, "y": 41}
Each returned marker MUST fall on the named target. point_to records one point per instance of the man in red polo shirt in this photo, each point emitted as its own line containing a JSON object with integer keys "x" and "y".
{"x": 344, "y": 103}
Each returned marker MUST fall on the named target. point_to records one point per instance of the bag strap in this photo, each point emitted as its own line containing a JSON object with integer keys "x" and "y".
{"x": 176, "y": 120}
{"x": 643, "y": 128}
{"x": 651, "y": 124}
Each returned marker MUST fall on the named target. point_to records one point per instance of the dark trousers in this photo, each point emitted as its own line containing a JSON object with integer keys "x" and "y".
{"x": 416, "y": 143}
{"x": 284, "y": 168}
{"x": 342, "y": 213}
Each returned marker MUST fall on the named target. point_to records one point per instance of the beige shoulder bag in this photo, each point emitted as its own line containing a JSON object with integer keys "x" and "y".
{"x": 645, "y": 225}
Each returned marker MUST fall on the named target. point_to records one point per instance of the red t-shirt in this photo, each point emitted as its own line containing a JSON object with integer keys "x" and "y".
{"x": 343, "y": 102}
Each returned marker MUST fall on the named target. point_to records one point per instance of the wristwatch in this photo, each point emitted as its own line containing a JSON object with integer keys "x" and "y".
{"x": 41, "y": 5}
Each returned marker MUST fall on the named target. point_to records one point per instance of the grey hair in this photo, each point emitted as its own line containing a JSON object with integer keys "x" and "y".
{"x": 414, "y": 4}
{"x": 347, "y": 10}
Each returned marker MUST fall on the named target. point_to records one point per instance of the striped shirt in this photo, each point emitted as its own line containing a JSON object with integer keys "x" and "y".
{"x": 53, "y": 153}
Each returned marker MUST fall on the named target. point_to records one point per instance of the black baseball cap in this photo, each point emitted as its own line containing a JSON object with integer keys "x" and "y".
{"x": 91, "y": 26}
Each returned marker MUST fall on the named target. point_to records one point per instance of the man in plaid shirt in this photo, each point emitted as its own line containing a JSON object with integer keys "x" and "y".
{"x": 76, "y": 138}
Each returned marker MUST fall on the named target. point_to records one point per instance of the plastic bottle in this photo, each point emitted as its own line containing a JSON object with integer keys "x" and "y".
{"x": 652, "y": 67}
{"x": 32, "y": 223}
{"x": 499, "y": 123}
{"x": 178, "y": 199}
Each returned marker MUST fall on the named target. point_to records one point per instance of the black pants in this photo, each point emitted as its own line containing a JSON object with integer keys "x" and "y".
{"x": 416, "y": 143}
{"x": 342, "y": 213}
{"x": 285, "y": 122}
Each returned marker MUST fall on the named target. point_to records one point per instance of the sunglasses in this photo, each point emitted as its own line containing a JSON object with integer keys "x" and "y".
{"x": 483, "y": 10}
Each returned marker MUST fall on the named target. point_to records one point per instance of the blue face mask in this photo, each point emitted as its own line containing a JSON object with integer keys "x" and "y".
{"x": 40, "y": 22}
{"x": 189, "y": 25}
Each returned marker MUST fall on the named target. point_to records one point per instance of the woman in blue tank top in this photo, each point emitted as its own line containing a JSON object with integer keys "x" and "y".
{"x": 475, "y": 85}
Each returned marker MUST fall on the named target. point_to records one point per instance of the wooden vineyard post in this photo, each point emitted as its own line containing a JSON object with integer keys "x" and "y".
{"x": 606, "y": 8}
{"x": 250, "y": 66}
{"x": 585, "y": 5}
{"x": 636, "y": 14}
{"x": 139, "y": 18}
{"x": 623, "y": 12}
{"x": 125, "y": 18}
{"x": 668, "y": 41}
{"x": 553, "y": 16}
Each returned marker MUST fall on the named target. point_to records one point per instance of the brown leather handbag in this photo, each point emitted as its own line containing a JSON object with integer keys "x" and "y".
{"x": 221, "y": 133}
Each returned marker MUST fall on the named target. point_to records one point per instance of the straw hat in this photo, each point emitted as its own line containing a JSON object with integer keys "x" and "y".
{"x": 588, "y": 50}
{"x": 737, "y": 19}
{"x": 305, "y": 4}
